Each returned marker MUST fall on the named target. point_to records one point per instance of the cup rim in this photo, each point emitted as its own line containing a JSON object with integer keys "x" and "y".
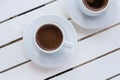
{"x": 96, "y": 10}
{"x": 43, "y": 50}
{"x": 90, "y": 12}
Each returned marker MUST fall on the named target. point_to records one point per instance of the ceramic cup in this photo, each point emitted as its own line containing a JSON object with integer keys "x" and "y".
{"x": 64, "y": 42}
{"x": 90, "y": 11}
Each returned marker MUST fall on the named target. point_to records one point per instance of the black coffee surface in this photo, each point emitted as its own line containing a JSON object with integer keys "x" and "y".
{"x": 49, "y": 37}
{"x": 96, "y": 3}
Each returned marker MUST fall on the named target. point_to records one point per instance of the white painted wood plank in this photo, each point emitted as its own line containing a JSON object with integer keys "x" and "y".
{"x": 96, "y": 70}
{"x": 14, "y": 7}
{"x": 116, "y": 78}
{"x": 87, "y": 49}
{"x": 12, "y": 55}
{"x": 14, "y": 28}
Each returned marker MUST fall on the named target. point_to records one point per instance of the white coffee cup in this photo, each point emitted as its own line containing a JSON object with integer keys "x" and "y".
{"x": 90, "y": 11}
{"x": 64, "y": 42}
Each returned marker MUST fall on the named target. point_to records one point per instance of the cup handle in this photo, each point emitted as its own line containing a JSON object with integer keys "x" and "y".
{"x": 68, "y": 44}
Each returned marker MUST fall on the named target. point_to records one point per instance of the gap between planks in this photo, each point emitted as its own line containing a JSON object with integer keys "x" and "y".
{"x": 16, "y": 40}
{"x": 110, "y": 78}
{"x": 84, "y": 63}
{"x": 21, "y": 38}
{"x": 27, "y": 11}
{"x": 27, "y": 61}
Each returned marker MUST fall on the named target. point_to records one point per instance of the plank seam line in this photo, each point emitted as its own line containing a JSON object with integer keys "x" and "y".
{"x": 16, "y": 40}
{"x": 27, "y": 61}
{"x": 110, "y": 78}
{"x": 11, "y": 42}
{"x": 22, "y": 38}
{"x": 30, "y": 10}
{"x": 91, "y": 35}
{"x": 99, "y": 31}
{"x": 84, "y": 63}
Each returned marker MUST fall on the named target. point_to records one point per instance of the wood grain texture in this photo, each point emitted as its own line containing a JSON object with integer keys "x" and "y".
{"x": 15, "y": 65}
{"x": 10, "y": 56}
{"x": 13, "y": 7}
{"x": 13, "y": 29}
{"x": 96, "y": 70}
{"x": 116, "y": 78}
{"x": 84, "y": 63}
{"x": 87, "y": 50}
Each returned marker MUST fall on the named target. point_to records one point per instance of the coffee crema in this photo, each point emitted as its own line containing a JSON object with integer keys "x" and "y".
{"x": 49, "y": 37}
{"x": 95, "y": 5}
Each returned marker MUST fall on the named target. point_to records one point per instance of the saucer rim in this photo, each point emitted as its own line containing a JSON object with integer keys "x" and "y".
{"x": 31, "y": 56}
{"x": 71, "y": 13}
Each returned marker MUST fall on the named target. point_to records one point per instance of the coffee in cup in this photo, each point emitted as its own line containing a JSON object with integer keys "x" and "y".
{"x": 93, "y": 7}
{"x": 50, "y": 37}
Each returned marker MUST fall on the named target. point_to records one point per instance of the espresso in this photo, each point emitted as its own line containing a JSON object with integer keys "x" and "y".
{"x": 95, "y": 4}
{"x": 49, "y": 37}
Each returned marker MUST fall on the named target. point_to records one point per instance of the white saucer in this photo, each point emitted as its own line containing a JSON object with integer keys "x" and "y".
{"x": 109, "y": 17}
{"x": 50, "y": 60}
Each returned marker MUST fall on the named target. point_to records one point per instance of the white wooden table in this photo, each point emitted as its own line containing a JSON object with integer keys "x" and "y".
{"x": 97, "y": 56}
